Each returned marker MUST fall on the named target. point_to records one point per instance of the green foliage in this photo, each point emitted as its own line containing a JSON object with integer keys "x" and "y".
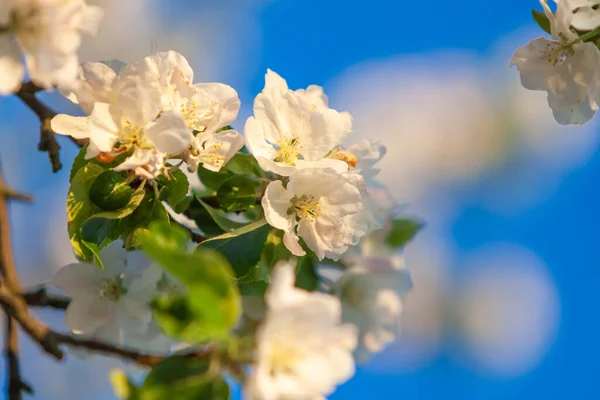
{"x": 211, "y": 306}
{"x": 136, "y": 224}
{"x": 220, "y": 217}
{"x": 403, "y": 230}
{"x": 240, "y": 164}
{"x": 242, "y": 247}
{"x": 174, "y": 189}
{"x": 542, "y": 20}
{"x": 80, "y": 206}
{"x": 239, "y": 193}
{"x": 306, "y": 275}
{"x": 177, "y": 377}
{"x": 110, "y": 190}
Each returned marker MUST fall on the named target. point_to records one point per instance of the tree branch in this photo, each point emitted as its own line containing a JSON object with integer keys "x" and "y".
{"x": 48, "y": 143}
{"x": 41, "y": 298}
{"x": 16, "y": 385}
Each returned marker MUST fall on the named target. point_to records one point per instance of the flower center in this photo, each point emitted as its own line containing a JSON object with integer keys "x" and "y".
{"x": 195, "y": 121}
{"x": 112, "y": 288}
{"x": 130, "y": 136}
{"x": 213, "y": 155}
{"x": 288, "y": 150}
{"x": 555, "y": 53}
{"x": 282, "y": 358}
{"x": 169, "y": 288}
{"x": 306, "y": 207}
{"x": 340, "y": 154}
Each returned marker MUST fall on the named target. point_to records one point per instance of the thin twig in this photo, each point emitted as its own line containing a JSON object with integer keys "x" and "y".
{"x": 16, "y": 385}
{"x": 41, "y": 298}
{"x": 48, "y": 143}
{"x": 10, "y": 193}
{"x": 9, "y": 274}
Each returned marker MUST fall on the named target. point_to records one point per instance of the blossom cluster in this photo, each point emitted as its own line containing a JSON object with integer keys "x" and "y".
{"x": 152, "y": 111}
{"x": 47, "y": 33}
{"x": 317, "y": 199}
{"x": 567, "y": 66}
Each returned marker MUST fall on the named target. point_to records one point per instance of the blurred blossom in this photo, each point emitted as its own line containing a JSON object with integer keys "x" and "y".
{"x": 501, "y": 306}
{"x": 508, "y": 310}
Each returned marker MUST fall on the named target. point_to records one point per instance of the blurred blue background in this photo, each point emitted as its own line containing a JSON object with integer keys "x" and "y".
{"x": 507, "y": 270}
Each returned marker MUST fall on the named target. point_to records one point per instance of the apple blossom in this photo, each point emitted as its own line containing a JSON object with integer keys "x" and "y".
{"x": 586, "y": 15}
{"x": 373, "y": 290}
{"x": 303, "y": 350}
{"x": 48, "y": 34}
{"x": 112, "y": 303}
{"x": 315, "y": 206}
{"x": 294, "y": 130}
{"x": 567, "y": 69}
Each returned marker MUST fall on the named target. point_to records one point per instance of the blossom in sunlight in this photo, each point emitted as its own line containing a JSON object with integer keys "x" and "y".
{"x": 316, "y": 205}
{"x": 164, "y": 114}
{"x": 292, "y": 130}
{"x": 113, "y": 303}
{"x": 47, "y": 33}
{"x": 303, "y": 350}
{"x": 373, "y": 290}
{"x": 566, "y": 68}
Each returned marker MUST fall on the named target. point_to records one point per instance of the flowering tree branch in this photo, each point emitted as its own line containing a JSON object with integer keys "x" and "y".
{"x": 16, "y": 385}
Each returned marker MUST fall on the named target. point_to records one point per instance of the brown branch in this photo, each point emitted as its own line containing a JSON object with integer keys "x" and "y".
{"x": 8, "y": 271}
{"x": 48, "y": 143}
{"x": 16, "y": 385}
{"x": 41, "y": 298}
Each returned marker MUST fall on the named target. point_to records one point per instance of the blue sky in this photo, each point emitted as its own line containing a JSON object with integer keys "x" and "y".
{"x": 314, "y": 41}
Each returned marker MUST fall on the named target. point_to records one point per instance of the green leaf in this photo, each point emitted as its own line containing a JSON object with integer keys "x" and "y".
{"x": 102, "y": 228}
{"x": 403, "y": 230}
{"x": 542, "y": 20}
{"x": 183, "y": 378}
{"x": 175, "y": 188}
{"x": 183, "y": 205}
{"x": 212, "y": 304}
{"x": 203, "y": 219}
{"x": 220, "y": 218}
{"x": 306, "y": 276}
{"x": 78, "y": 162}
{"x": 110, "y": 190}
{"x": 239, "y": 193}
{"x": 151, "y": 209}
{"x": 80, "y": 206}
{"x": 212, "y": 180}
{"x": 242, "y": 247}
{"x": 244, "y": 164}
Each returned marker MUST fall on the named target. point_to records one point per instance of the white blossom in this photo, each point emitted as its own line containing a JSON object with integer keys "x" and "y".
{"x": 47, "y": 33}
{"x": 293, "y": 130}
{"x": 303, "y": 350}
{"x": 114, "y": 303}
{"x": 373, "y": 290}
{"x": 586, "y": 14}
{"x": 315, "y": 205}
{"x": 174, "y": 116}
{"x": 567, "y": 69}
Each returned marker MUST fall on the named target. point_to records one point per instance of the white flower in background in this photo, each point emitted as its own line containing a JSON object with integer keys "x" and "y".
{"x": 566, "y": 68}
{"x": 373, "y": 290}
{"x": 109, "y": 304}
{"x": 133, "y": 121}
{"x": 586, "y": 14}
{"x": 315, "y": 206}
{"x": 48, "y": 34}
{"x": 294, "y": 130}
{"x": 361, "y": 157}
{"x": 303, "y": 350}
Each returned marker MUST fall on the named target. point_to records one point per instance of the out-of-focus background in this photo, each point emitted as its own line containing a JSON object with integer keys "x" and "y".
{"x": 507, "y": 271}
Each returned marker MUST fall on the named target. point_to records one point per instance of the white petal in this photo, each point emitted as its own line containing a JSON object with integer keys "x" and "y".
{"x": 273, "y": 81}
{"x": 104, "y": 122}
{"x": 76, "y": 127}
{"x": 77, "y": 278}
{"x": 276, "y": 202}
{"x": 170, "y": 133}
{"x": 11, "y": 68}
{"x": 87, "y": 314}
